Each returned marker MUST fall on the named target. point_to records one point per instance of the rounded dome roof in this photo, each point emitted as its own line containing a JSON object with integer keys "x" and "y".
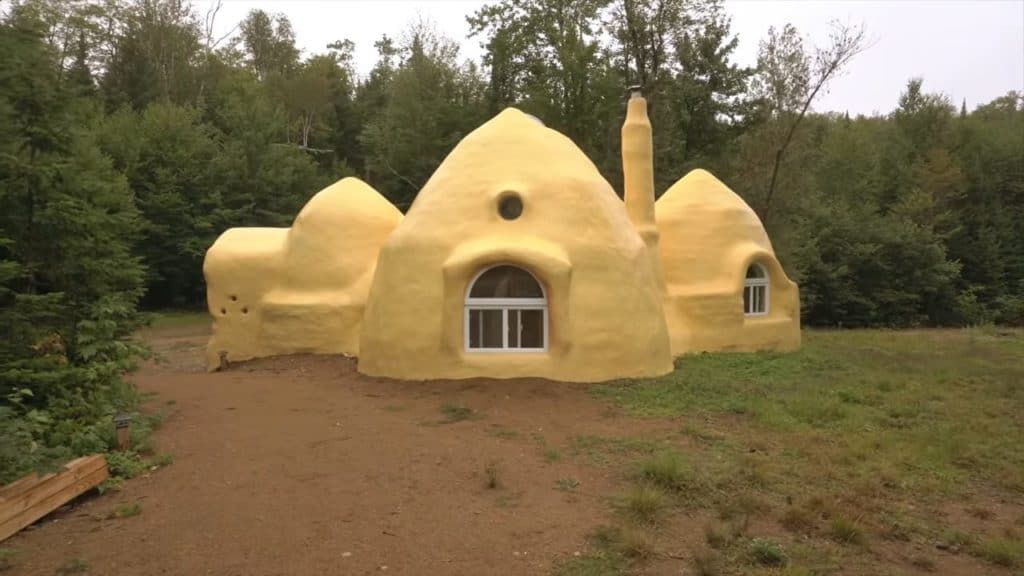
{"x": 701, "y": 222}
{"x": 338, "y": 233}
{"x": 514, "y": 154}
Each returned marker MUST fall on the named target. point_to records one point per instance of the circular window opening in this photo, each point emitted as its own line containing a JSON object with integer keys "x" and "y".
{"x": 510, "y": 206}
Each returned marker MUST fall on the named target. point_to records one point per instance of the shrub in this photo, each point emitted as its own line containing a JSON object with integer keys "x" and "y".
{"x": 767, "y": 552}
{"x": 644, "y": 502}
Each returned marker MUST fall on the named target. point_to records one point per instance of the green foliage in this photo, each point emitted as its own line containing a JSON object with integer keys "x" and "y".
{"x": 73, "y": 566}
{"x": 125, "y": 511}
{"x": 668, "y": 471}
{"x": 456, "y": 412}
{"x": 644, "y": 503}
{"x": 767, "y": 552}
{"x": 1006, "y": 552}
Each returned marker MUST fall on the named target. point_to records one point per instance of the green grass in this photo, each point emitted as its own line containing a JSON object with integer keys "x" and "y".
{"x": 669, "y": 471}
{"x": 860, "y": 435}
{"x": 7, "y": 558}
{"x": 767, "y": 552}
{"x": 845, "y": 531}
{"x": 73, "y": 566}
{"x": 455, "y": 413}
{"x": 567, "y": 484}
{"x": 644, "y": 503}
{"x": 126, "y": 511}
{"x": 1001, "y": 551}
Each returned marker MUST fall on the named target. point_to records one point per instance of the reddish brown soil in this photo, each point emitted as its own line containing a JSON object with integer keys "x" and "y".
{"x": 302, "y": 466}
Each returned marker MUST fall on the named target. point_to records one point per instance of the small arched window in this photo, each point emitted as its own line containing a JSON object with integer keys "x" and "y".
{"x": 506, "y": 310}
{"x": 755, "y": 291}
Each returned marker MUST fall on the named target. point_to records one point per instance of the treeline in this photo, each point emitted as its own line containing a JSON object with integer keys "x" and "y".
{"x": 911, "y": 218}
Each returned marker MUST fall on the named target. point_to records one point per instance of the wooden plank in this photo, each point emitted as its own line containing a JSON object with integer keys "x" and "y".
{"x": 50, "y": 493}
{"x": 18, "y": 486}
{"x": 51, "y": 484}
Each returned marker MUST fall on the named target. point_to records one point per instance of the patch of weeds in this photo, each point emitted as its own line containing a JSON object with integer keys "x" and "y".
{"x": 798, "y": 520}
{"x": 171, "y": 402}
{"x": 708, "y": 564}
{"x": 599, "y": 563}
{"x": 668, "y": 471}
{"x": 644, "y": 503}
{"x": 112, "y": 484}
{"x": 981, "y": 513}
{"x": 125, "y": 511}
{"x": 127, "y": 464}
{"x": 552, "y": 455}
{"x": 634, "y": 542}
{"x": 923, "y": 563}
{"x": 492, "y": 480}
{"x": 1001, "y": 551}
{"x": 455, "y": 413}
{"x": 845, "y": 531}
{"x": 503, "y": 433}
{"x": 767, "y": 552}
{"x": 73, "y": 566}
{"x": 955, "y": 540}
{"x": 603, "y": 451}
{"x": 162, "y": 460}
{"x": 397, "y": 408}
{"x": 567, "y": 484}
{"x": 796, "y": 571}
{"x": 716, "y": 536}
{"x": 628, "y": 541}
{"x": 7, "y": 556}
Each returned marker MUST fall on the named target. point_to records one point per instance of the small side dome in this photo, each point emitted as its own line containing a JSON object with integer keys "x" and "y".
{"x": 700, "y": 222}
{"x": 337, "y": 235}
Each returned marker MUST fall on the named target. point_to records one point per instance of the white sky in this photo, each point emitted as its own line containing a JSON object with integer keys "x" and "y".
{"x": 966, "y": 49}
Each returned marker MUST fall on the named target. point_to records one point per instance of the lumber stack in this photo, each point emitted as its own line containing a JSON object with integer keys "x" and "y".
{"x": 24, "y": 501}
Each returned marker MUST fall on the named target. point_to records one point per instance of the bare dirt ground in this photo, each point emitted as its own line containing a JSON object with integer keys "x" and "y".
{"x": 301, "y": 465}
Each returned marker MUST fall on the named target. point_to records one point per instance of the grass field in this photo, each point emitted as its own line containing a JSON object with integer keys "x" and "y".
{"x": 864, "y": 448}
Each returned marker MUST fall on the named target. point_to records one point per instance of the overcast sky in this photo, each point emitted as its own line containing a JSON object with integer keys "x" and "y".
{"x": 966, "y": 49}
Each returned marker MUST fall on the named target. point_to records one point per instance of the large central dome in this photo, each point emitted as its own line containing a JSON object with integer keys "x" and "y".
{"x": 567, "y": 228}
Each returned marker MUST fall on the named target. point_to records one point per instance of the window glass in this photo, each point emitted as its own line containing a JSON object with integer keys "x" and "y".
{"x": 506, "y": 282}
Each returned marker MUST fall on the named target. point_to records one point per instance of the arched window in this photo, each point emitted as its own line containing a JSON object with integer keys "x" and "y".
{"x": 506, "y": 310}
{"x": 755, "y": 291}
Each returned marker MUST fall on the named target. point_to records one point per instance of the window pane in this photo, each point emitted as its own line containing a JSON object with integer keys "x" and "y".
{"x": 474, "y": 328}
{"x": 506, "y": 282}
{"x": 755, "y": 271}
{"x": 531, "y": 331}
{"x": 513, "y": 328}
{"x": 762, "y": 305}
{"x": 746, "y": 299}
{"x": 491, "y": 329}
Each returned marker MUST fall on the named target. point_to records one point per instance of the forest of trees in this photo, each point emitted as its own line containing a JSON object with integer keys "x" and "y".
{"x": 131, "y": 136}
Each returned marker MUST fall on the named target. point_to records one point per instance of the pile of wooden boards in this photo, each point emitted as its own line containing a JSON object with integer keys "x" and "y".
{"x": 24, "y": 501}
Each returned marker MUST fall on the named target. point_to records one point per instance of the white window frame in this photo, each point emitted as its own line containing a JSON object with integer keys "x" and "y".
{"x": 751, "y": 285}
{"x": 505, "y": 305}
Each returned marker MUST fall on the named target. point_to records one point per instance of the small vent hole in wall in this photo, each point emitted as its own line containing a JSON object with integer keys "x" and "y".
{"x": 245, "y": 310}
{"x": 234, "y": 298}
{"x": 223, "y": 311}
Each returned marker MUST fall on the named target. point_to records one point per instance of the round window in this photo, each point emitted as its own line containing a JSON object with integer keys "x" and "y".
{"x": 510, "y": 206}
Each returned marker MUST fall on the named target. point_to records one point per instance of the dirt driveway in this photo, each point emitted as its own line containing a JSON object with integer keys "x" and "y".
{"x": 302, "y": 466}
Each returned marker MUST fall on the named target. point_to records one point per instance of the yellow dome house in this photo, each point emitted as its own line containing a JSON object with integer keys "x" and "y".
{"x": 516, "y": 259}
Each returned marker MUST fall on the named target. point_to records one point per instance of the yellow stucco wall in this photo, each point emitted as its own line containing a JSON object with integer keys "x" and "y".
{"x": 300, "y": 289}
{"x": 605, "y": 304}
{"x": 628, "y": 284}
{"x": 708, "y": 238}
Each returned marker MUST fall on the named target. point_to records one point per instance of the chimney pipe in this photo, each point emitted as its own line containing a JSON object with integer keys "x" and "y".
{"x": 638, "y": 173}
